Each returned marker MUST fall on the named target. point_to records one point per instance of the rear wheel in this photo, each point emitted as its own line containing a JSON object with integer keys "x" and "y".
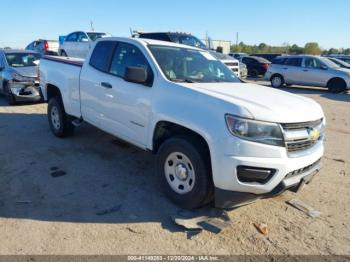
{"x": 277, "y": 81}
{"x": 11, "y": 100}
{"x": 254, "y": 73}
{"x": 336, "y": 85}
{"x": 185, "y": 172}
{"x": 60, "y": 123}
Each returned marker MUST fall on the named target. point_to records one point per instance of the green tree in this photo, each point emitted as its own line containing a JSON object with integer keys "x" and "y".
{"x": 312, "y": 48}
{"x": 333, "y": 51}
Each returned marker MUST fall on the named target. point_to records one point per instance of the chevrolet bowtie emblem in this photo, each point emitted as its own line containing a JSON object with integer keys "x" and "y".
{"x": 314, "y": 134}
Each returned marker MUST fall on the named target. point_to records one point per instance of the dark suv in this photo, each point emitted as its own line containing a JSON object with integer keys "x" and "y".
{"x": 180, "y": 38}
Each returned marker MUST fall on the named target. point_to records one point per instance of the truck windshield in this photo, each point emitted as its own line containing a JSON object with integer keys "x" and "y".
{"x": 22, "y": 59}
{"x": 189, "y": 65}
{"x": 187, "y": 40}
{"x": 95, "y": 36}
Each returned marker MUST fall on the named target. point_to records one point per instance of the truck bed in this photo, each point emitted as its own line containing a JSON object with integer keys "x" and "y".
{"x": 65, "y": 60}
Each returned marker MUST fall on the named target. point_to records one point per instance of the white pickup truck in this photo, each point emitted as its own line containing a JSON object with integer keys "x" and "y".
{"x": 214, "y": 136}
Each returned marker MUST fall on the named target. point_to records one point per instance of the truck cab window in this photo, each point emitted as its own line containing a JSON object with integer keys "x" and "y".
{"x": 101, "y": 56}
{"x": 128, "y": 55}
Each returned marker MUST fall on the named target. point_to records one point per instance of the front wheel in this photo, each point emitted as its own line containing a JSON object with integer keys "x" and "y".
{"x": 336, "y": 86}
{"x": 11, "y": 100}
{"x": 277, "y": 81}
{"x": 60, "y": 123}
{"x": 185, "y": 172}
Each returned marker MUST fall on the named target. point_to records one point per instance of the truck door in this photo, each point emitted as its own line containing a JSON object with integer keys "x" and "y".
{"x": 122, "y": 108}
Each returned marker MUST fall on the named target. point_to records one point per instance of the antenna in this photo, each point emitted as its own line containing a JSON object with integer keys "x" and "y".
{"x": 92, "y": 26}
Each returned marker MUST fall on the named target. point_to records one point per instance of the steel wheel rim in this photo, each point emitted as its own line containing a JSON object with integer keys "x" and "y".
{"x": 55, "y": 118}
{"x": 276, "y": 81}
{"x": 179, "y": 173}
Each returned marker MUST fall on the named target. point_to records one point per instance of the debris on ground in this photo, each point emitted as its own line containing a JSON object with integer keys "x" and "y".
{"x": 58, "y": 173}
{"x": 339, "y": 160}
{"x": 109, "y": 210}
{"x": 310, "y": 211}
{"x": 262, "y": 228}
{"x": 212, "y": 220}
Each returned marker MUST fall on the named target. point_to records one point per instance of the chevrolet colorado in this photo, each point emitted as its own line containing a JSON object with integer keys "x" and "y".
{"x": 214, "y": 136}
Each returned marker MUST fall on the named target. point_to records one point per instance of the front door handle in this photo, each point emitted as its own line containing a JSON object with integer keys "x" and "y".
{"x": 285, "y": 68}
{"x": 106, "y": 85}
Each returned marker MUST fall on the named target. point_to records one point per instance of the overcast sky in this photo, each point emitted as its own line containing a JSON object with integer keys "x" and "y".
{"x": 270, "y": 21}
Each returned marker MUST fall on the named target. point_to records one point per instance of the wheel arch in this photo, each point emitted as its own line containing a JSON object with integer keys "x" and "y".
{"x": 166, "y": 129}
{"x": 336, "y": 78}
{"x": 277, "y": 74}
{"x": 52, "y": 91}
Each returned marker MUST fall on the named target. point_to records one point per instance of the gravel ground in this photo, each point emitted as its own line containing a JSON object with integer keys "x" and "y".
{"x": 93, "y": 194}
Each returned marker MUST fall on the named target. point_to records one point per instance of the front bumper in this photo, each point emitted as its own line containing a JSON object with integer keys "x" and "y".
{"x": 234, "y": 154}
{"x": 25, "y": 92}
{"x": 230, "y": 199}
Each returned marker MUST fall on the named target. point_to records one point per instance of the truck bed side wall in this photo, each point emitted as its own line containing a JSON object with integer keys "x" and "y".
{"x": 66, "y": 78}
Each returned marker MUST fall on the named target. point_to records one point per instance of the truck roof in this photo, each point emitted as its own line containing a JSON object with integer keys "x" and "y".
{"x": 145, "y": 41}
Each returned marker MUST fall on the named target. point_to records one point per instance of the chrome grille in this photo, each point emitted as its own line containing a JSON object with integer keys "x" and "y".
{"x": 305, "y": 142}
{"x": 303, "y": 125}
{"x": 296, "y": 146}
{"x": 231, "y": 64}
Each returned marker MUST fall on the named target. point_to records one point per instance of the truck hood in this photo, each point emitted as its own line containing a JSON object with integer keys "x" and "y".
{"x": 28, "y": 71}
{"x": 263, "y": 103}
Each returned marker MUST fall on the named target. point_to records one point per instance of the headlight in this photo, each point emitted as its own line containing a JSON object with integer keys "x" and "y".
{"x": 256, "y": 131}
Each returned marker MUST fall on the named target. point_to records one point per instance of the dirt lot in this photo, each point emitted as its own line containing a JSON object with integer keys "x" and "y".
{"x": 92, "y": 194}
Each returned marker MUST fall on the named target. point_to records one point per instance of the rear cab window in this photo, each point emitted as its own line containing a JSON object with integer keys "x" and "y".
{"x": 102, "y": 54}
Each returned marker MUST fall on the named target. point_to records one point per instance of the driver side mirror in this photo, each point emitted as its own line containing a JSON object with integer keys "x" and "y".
{"x": 323, "y": 67}
{"x": 84, "y": 40}
{"x": 136, "y": 75}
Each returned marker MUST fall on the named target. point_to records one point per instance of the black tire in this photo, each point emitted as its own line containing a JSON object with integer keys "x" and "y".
{"x": 336, "y": 86}
{"x": 254, "y": 73}
{"x": 60, "y": 123}
{"x": 11, "y": 100}
{"x": 63, "y": 53}
{"x": 202, "y": 191}
{"x": 277, "y": 81}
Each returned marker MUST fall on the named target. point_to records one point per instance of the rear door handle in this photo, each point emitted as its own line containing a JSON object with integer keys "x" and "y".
{"x": 285, "y": 68}
{"x": 106, "y": 85}
{"x": 305, "y": 70}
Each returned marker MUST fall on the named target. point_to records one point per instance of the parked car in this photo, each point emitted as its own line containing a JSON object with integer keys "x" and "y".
{"x": 238, "y": 55}
{"x": 345, "y": 58}
{"x": 257, "y": 66}
{"x": 243, "y": 69}
{"x": 269, "y": 57}
{"x": 19, "y": 75}
{"x": 308, "y": 70}
{"x": 339, "y": 62}
{"x": 44, "y": 47}
{"x": 214, "y": 136}
{"x": 190, "y": 40}
{"x": 78, "y": 44}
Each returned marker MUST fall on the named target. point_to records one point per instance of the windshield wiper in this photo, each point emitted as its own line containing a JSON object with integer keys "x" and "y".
{"x": 185, "y": 80}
